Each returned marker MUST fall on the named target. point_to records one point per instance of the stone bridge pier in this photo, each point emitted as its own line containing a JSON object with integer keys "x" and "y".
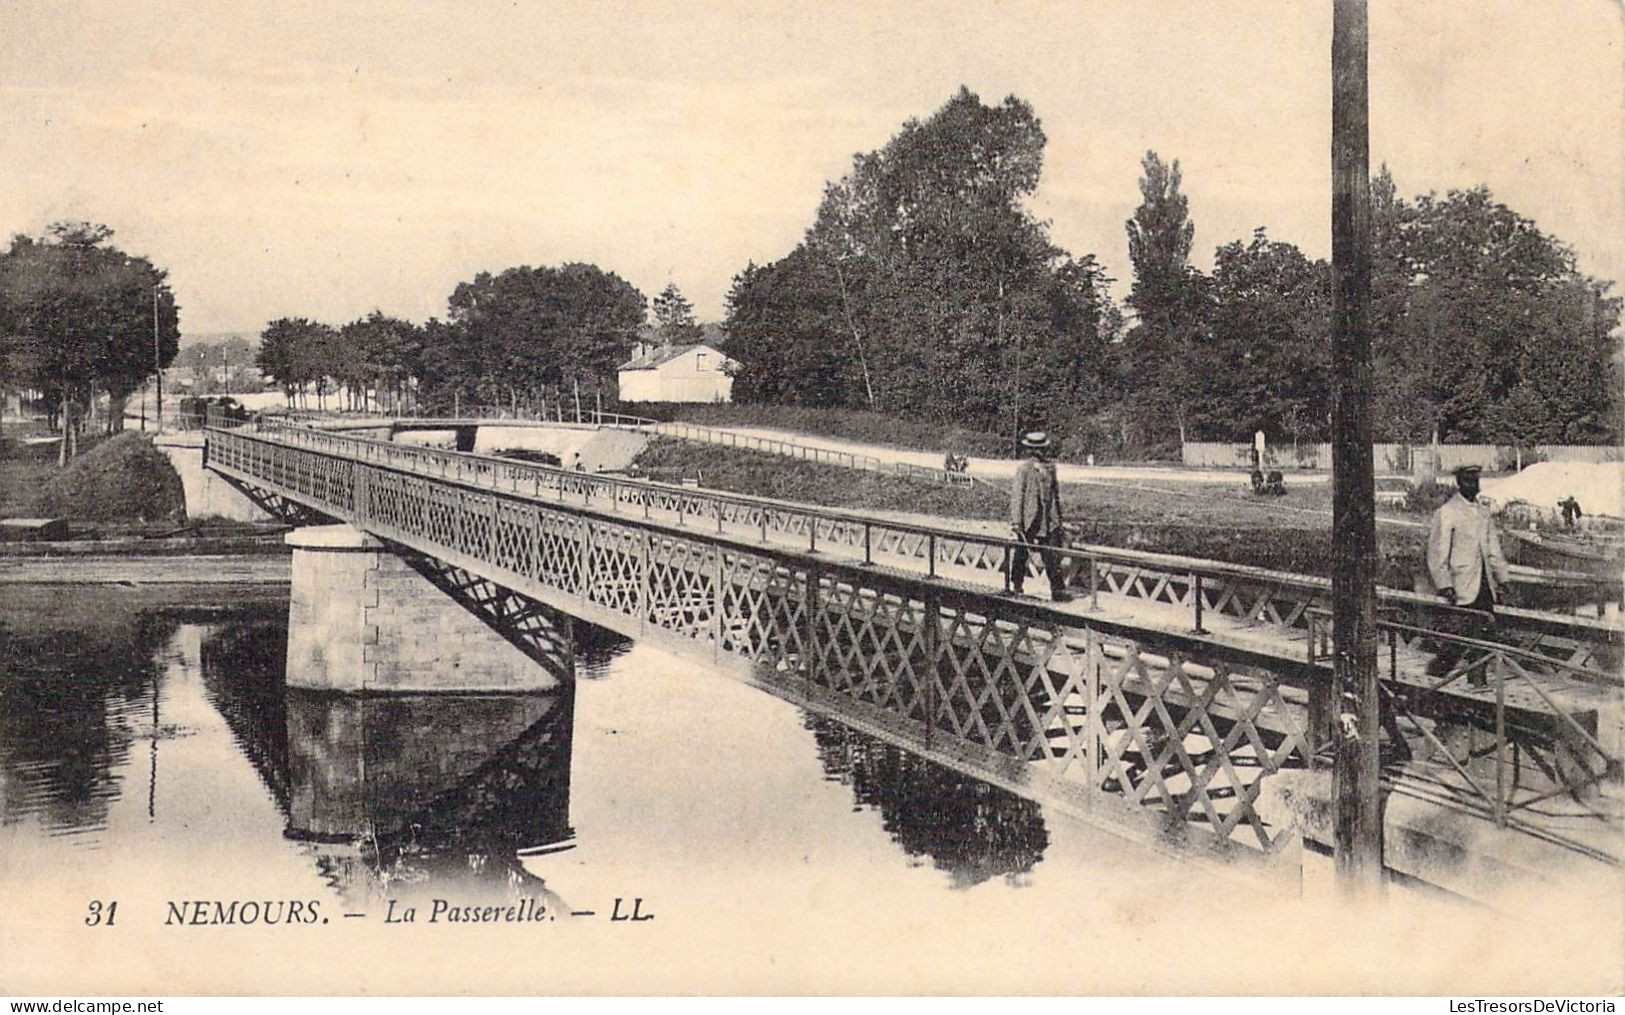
{"x": 364, "y": 619}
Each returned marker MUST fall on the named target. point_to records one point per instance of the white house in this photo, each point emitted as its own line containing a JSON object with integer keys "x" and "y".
{"x": 677, "y": 373}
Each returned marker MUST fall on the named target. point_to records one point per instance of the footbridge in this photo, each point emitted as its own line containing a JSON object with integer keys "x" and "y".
{"x": 1168, "y": 694}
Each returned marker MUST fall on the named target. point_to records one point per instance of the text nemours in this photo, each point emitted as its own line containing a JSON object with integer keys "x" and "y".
{"x": 306, "y": 912}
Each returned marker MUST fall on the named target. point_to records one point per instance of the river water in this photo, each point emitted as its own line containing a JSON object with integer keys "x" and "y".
{"x": 151, "y": 756}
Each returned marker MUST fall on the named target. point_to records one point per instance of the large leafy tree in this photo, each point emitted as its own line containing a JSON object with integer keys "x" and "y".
{"x": 1266, "y": 362}
{"x": 785, "y": 328}
{"x": 534, "y": 329}
{"x": 84, "y": 317}
{"x": 924, "y": 286}
{"x": 1486, "y": 331}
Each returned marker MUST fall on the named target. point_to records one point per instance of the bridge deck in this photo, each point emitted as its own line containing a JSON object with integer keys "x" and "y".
{"x": 1116, "y": 691}
{"x": 1406, "y": 665}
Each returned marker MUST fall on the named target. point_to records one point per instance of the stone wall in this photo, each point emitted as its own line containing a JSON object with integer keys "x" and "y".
{"x": 206, "y": 493}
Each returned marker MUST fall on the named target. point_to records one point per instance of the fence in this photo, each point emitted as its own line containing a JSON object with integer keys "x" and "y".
{"x": 680, "y": 431}
{"x": 1565, "y": 743}
{"x": 1397, "y": 458}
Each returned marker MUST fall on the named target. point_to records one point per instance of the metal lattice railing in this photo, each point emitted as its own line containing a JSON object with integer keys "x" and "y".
{"x": 1116, "y": 719}
{"x": 1537, "y": 744}
{"x": 1270, "y": 601}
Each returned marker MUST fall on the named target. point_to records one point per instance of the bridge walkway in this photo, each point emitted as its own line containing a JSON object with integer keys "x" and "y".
{"x": 1156, "y": 679}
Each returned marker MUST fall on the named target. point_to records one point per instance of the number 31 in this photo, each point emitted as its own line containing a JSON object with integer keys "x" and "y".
{"x": 97, "y": 915}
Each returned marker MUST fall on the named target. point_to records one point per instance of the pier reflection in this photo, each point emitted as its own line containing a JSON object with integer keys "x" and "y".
{"x": 400, "y": 795}
{"x": 404, "y": 795}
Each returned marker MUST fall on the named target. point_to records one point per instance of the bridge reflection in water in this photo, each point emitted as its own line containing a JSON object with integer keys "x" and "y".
{"x": 407, "y": 796}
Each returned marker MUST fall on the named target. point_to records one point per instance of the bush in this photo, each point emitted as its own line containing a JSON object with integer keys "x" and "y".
{"x": 122, "y": 479}
{"x": 1425, "y": 497}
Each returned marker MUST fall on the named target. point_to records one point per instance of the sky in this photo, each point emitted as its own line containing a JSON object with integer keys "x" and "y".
{"x": 323, "y": 160}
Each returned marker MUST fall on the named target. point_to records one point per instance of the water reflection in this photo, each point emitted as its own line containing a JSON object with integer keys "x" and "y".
{"x": 394, "y": 794}
{"x": 73, "y": 703}
{"x": 597, "y": 649}
{"x": 402, "y": 796}
{"x": 242, "y": 665}
{"x": 970, "y": 829}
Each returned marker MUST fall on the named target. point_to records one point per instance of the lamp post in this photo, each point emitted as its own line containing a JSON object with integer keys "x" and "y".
{"x": 157, "y": 360}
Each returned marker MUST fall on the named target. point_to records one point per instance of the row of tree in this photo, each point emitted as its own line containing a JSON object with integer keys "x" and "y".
{"x": 924, "y": 287}
{"x": 80, "y": 317}
{"x": 1484, "y": 329}
{"x": 519, "y": 337}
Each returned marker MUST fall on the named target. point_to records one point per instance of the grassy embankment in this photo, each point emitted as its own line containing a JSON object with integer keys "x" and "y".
{"x": 121, "y": 479}
{"x": 840, "y": 424}
{"x": 1212, "y": 521}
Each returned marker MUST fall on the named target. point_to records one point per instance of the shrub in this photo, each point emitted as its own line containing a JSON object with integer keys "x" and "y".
{"x": 1426, "y": 496}
{"x": 124, "y": 478}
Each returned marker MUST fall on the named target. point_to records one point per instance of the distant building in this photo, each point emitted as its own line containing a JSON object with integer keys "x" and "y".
{"x": 677, "y": 373}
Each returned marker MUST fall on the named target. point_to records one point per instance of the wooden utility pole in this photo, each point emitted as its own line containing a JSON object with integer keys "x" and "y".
{"x": 1354, "y": 528}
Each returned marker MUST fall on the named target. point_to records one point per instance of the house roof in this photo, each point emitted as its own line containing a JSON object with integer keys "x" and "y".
{"x": 664, "y": 354}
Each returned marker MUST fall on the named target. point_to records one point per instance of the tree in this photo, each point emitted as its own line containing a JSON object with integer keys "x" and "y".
{"x": 1267, "y": 359}
{"x": 925, "y": 287}
{"x": 783, "y": 327}
{"x": 1168, "y": 297}
{"x": 534, "y": 329}
{"x": 382, "y": 355}
{"x": 86, "y": 317}
{"x": 294, "y": 353}
{"x": 674, "y": 317}
{"x": 1485, "y": 329}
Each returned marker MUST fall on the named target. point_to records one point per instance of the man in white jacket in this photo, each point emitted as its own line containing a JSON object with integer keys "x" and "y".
{"x": 1466, "y": 564}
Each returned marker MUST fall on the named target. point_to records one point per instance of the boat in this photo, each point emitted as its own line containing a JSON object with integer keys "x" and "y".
{"x": 1598, "y": 557}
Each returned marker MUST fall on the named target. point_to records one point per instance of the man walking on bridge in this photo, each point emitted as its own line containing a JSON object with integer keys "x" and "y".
{"x": 1466, "y": 564}
{"x": 1035, "y": 515}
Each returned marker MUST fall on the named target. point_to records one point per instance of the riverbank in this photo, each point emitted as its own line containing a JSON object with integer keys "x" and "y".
{"x": 131, "y": 570}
